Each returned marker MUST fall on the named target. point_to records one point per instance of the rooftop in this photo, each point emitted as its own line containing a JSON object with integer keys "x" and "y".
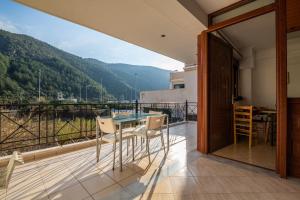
{"x": 183, "y": 173}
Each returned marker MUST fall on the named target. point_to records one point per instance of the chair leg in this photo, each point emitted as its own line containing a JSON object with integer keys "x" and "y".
{"x": 141, "y": 143}
{"x": 148, "y": 149}
{"x": 267, "y": 132}
{"x": 114, "y": 150}
{"x": 136, "y": 139}
{"x": 235, "y": 138}
{"x": 99, "y": 150}
{"x": 162, "y": 141}
{"x": 6, "y": 192}
{"x": 127, "y": 146}
{"x": 133, "y": 149}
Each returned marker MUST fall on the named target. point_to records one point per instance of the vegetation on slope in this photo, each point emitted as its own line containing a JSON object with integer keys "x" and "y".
{"x": 22, "y": 57}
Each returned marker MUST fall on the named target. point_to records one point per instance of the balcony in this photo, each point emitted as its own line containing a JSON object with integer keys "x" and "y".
{"x": 181, "y": 173}
{"x": 30, "y": 127}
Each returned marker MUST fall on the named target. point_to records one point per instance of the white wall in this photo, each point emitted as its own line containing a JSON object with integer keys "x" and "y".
{"x": 190, "y": 81}
{"x": 264, "y": 78}
{"x": 294, "y": 65}
{"x": 164, "y": 96}
{"x": 189, "y": 93}
{"x": 245, "y": 85}
{"x": 258, "y": 81}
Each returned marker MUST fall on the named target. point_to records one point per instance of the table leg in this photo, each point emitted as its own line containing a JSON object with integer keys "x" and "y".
{"x": 168, "y": 132}
{"x": 120, "y": 145}
{"x": 266, "y": 131}
{"x": 272, "y": 131}
{"x": 97, "y": 142}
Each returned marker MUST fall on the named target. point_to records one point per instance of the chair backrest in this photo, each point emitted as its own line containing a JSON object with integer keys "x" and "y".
{"x": 155, "y": 112}
{"x": 106, "y": 125}
{"x": 155, "y": 122}
{"x": 115, "y": 114}
{"x": 243, "y": 119}
{"x": 16, "y": 159}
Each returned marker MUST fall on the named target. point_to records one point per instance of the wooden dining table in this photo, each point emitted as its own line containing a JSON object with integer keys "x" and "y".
{"x": 271, "y": 117}
{"x": 121, "y": 120}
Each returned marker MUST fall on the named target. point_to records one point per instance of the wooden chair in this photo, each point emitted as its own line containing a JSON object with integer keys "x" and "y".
{"x": 152, "y": 129}
{"x": 16, "y": 159}
{"x": 264, "y": 118}
{"x": 107, "y": 126}
{"x": 243, "y": 122}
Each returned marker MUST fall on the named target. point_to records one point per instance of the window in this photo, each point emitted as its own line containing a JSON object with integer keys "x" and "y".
{"x": 178, "y": 86}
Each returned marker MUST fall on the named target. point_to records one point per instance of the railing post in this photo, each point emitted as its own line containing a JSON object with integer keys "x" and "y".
{"x": 140, "y": 108}
{"x": 109, "y": 110}
{"x": 136, "y": 106}
{"x": 39, "y": 125}
{"x": 80, "y": 120}
{"x": 0, "y": 129}
{"x": 47, "y": 109}
{"x": 85, "y": 120}
{"x": 53, "y": 123}
{"x": 91, "y": 120}
{"x": 186, "y": 110}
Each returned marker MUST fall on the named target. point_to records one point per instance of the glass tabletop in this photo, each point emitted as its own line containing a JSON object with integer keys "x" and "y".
{"x": 132, "y": 117}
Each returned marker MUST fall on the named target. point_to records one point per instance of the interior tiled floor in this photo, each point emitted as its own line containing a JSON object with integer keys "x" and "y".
{"x": 261, "y": 154}
{"x": 182, "y": 173}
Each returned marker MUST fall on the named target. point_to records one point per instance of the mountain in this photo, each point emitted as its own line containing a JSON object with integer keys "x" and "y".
{"x": 23, "y": 57}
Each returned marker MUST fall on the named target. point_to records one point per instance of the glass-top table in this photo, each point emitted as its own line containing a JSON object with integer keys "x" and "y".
{"x": 120, "y": 120}
{"x": 131, "y": 118}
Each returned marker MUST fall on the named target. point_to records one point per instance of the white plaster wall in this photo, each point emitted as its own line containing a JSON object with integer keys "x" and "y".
{"x": 294, "y": 66}
{"x": 164, "y": 96}
{"x": 258, "y": 84}
{"x": 246, "y": 86}
{"x": 264, "y": 78}
{"x": 189, "y": 93}
{"x": 258, "y": 81}
{"x": 190, "y": 81}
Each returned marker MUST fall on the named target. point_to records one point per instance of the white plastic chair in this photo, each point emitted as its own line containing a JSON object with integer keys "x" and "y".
{"x": 16, "y": 159}
{"x": 155, "y": 112}
{"x": 107, "y": 126}
{"x": 122, "y": 113}
{"x": 152, "y": 129}
{"x": 143, "y": 121}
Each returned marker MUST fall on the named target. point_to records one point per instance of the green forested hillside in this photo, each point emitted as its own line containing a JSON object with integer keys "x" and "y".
{"x": 21, "y": 58}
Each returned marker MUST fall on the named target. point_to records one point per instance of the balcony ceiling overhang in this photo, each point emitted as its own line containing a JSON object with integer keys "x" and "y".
{"x": 140, "y": 22}
{"x": 210, "y": 6}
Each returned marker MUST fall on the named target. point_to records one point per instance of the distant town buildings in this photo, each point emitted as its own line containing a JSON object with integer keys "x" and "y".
{"x": 60, "y": 97}
{"x": 183, "y": 87}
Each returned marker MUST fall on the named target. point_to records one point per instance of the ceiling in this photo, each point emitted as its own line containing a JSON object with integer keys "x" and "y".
{"x": 140, "y": 22}
{"x": 258, "y": 32}
{"x": 210, "y": 6}
{"x": 143, "y": 22}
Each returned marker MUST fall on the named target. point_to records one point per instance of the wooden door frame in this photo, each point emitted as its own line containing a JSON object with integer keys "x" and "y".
{"x": 281, "y": 80}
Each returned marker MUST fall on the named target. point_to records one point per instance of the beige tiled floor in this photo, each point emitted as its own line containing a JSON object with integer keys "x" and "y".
{"x": 182, "y": 174}
{"x": 261, "y": 154}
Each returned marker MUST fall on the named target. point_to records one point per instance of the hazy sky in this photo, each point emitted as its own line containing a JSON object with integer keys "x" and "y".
{"x": 77, "y": 39}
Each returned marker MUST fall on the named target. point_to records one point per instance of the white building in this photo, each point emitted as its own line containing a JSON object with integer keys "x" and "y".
{"x": 183, "y": 87}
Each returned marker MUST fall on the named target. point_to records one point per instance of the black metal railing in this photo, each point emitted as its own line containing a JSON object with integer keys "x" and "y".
{"x": 27, "y": 127}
